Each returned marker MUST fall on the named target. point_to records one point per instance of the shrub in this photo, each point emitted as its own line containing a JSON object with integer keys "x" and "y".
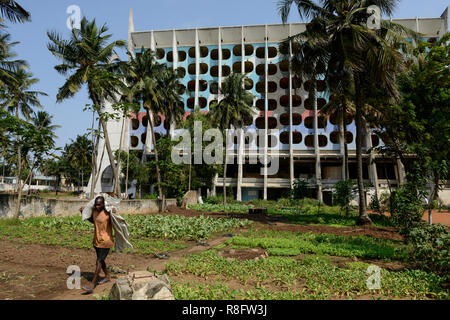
{"x": 345, "y": 192}
{"x": 213, "y": 200}
{"x": 406, "y": 204}
{"x": 429, "y": 248}
{"x": 374, "y": 204}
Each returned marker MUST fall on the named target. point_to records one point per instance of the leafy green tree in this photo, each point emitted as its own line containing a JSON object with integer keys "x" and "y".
{"x": 20, "y": 99}
{"x": 88, "y": 57}
{"x": 77, "y": 156}
{"x": 142, "y": 76}
{"x": 344, "y": 193}
{"x": 235, "y": 109}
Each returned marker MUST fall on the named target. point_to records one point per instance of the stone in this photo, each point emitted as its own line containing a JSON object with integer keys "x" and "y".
{"x": 191, "y": 197}
{"x": 121, "y": 290}
{"x": 142, "y": 285}
{"x": 163, "y": 294}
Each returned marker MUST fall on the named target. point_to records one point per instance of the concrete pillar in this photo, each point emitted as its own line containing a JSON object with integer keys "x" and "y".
{"x": 175, "y": 66}
{"x": 197, "y": 67}
{"x": 372, "y": 165}
{"x": 240, "y": 131}
{"x": 316, "y": 144}
{"x": 291, "y": 140}
{"x": 266, "y": 109}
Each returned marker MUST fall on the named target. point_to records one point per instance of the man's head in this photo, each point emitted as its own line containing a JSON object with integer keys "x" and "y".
{"x": 99, "y": 204}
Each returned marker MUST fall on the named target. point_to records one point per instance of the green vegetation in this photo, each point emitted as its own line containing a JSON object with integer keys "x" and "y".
{"x": 298, "y": 211}
{"x": 287, "y": 243}
{"x": 314, "y": 277}
{"x": 149, "y": 233}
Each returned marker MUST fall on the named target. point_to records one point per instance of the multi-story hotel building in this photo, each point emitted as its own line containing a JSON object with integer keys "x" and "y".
{"x": 306, "y": 144}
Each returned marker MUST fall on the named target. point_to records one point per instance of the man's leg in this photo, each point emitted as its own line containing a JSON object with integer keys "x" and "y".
{"x": 98, "y": 268}
{"x": 105, "y": 270}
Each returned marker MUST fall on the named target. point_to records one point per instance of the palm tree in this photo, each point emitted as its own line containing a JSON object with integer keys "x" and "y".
{"x": 310, "y": 55}
{"x": 142, "y": 77}
{"x": 87, "y": 58}
{"x": 7, "y": 65}
{"x": 20, "y": 99}
{"x": 172, "y": 104}
{"x": 340, "y": 106}
{"x": 357, "y": 51}
{"x": 13, "y": 11}
{"x": 235, "y": 109}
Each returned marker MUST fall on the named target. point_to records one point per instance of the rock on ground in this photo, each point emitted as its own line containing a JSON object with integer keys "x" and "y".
{"x": 142, "y": 285}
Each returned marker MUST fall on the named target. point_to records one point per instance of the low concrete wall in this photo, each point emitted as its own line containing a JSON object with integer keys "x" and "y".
{"x": 40, "y": 207}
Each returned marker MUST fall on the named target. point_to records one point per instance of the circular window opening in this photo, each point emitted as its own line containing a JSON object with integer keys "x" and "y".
{"x": 284, "y": 66}
{"x": 157, "y": 136}
{"x": 271, "y": 69}
{"x": 134, "y": 141}
{"x": 271, "y": 52}
{"x": 309, "y": 141}
{"x": 296, "y": 101}
{"x": 260, "y": 104}
{"x": 144, "y": 137}
{"x": 181, "y": 89}
{"x": 237, "y": 67}
{"x": 237, "y": 50}
{"x": 203, "y": 68}
{"x": 156, "y": 121}
{"x": 296, "y": 137}
{"x": 261, "y": 87}
{"x": 203, "y": 102}
{"x": 248, "y": 84}
{"x": 160, "y": 53}
{"x": 145, "y": 121}
{"x": 181, "y": 56}
{"x": 321, "y": 102}
{"x": 260, "y": 122}
{"x": 334, "y": 120}
{"x": 134, "y": 124}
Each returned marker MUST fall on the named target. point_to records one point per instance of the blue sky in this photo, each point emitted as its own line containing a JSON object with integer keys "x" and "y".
{"x": 148, "y": 15}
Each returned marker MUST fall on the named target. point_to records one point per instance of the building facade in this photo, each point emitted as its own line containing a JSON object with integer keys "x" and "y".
{"x": 305, "y": 143}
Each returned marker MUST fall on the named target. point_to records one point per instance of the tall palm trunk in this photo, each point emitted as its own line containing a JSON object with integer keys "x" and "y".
{"x": 93, "y": 159}
{"x": 344, "y": 141}
{"x": 117, "y": 189}
{"x": 224, "y": 176}
{"x": 108, "y": 145}
{"x": 318, "y": 170}
{"x": 363, "y": 216}
{"x": 19, "y": 171}
{"x": 158, "y": 173}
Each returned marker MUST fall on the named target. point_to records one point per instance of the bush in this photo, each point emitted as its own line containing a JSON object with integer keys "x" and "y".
{"x": 213, "y": 200}
{"x": 344, "y": 194}
{"x": 406, "y": 204}
{"x": 374, "y": 204}
{"x": 429, "y": 248}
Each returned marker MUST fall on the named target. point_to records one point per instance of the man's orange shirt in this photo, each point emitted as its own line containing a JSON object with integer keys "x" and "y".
{"x": 103, "y": 237}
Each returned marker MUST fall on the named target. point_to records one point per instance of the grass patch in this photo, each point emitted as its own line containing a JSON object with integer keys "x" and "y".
{"x": 148, "y": 233}
{"x": 294, "y": 243}
{"x": 312, "y": 278}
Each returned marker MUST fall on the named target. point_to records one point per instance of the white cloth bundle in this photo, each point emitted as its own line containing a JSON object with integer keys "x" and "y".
{"x": 119, "y": 224}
